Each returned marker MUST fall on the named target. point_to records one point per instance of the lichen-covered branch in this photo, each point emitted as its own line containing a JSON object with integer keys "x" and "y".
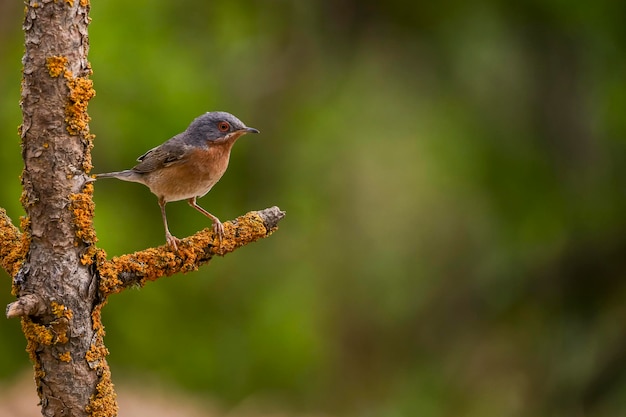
{"x": 13, "y": 246}
{"x": 150, "y": 264}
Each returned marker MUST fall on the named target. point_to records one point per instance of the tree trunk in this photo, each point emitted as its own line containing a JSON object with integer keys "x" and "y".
{"x": 63, "y": 341}
{"x": 60, "y": 278}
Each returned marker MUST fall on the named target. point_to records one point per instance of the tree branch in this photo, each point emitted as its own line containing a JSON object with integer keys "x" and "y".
{"x": 13, "y": 247}
{"x": 136, "y": 269}
{"x": 26, "y": 305}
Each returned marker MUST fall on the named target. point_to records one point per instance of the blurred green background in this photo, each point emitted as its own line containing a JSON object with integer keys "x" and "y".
{"x": 454, "y": 180}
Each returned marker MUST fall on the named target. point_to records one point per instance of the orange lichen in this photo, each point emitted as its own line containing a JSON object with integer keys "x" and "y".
{"x": 56, "y": 65}
{"x": 103, "y": 403}
{"x": 60, "y": 329}
{"x": 96, "y": 325}
{"x": 70, "y": 2}
{"x": 84, "y": 3}
{"x": 81, "y": 91}
{"x": 37, "y": 334}
{"x": 60, "y": 311}
{"x": 65, "y": 357}
{"x": 55, "y": 332}
{"x": 13, "y": 244}
{"x": 97, "y": 353}
{"x": 33, "y": 336}
{"x": 249, "y": 227}
{"x": 25, "y": 198}
{"x": 87, "y": 166}
{"x": 82, "y": 207}
{"x": 153, "y": 263}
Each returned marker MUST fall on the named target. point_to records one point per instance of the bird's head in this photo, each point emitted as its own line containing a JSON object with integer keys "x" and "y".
{"x": 216, "y": 127}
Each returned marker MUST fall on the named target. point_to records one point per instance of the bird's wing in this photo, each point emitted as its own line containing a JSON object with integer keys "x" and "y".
{"x": 169, "y": 153}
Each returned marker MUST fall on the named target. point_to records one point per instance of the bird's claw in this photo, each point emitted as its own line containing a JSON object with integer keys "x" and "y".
{"x": 172, "y": 241}
{"x": 218, "y": 229}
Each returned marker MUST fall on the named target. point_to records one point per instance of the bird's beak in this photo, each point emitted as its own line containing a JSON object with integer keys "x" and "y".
{"x": 237, "y": 134}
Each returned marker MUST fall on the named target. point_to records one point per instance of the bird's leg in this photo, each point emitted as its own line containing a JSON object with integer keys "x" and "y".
{"x": 171, "y": 240}
{"x": 218, "y": 227}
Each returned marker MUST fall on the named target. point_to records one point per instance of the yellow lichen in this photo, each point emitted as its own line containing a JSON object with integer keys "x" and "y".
{"x": 56, "y": 65}
{"x": 37, "y": 333}
{"x": 87, "y": 257}
{"x": 60, "y": 311}
{"x": 14, "y": 244}
{"x": 81, "y": 91}
{"x": 97, "y": 352}
{"x": 65, "y": 357}
{"x": 250, "y": 227}
{"x": 82, "y": 207}
{"x": 87, "y": 166}
{"x": 103, "y": 403}
{"x": 192, "y": 252}
{"x": 33, "y": 336}
{"x": 70, "y": 2}
{"x": 61, "y": 333}
{"x": 96, "y": 323}
{"x": 25, "y": 199}
{"x": 109, "y": 274}
{"x": 59, "y": 327}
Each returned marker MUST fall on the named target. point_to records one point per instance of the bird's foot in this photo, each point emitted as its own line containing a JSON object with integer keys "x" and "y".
{"x": 218, "y": 229}
{"x": 172, "y": 241}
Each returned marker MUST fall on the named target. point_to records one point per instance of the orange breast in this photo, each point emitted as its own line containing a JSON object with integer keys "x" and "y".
{"x": 194, "y": 177}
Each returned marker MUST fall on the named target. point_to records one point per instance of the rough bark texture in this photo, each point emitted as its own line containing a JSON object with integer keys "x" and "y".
{"x": 55, "y": 289}
{"x": 60, "y": 278}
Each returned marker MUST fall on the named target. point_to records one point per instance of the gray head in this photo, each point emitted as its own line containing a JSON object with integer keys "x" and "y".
{"x": 216, "y": 126}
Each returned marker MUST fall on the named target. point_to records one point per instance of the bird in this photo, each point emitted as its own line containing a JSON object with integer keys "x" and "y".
{"x": 188, "y": 165}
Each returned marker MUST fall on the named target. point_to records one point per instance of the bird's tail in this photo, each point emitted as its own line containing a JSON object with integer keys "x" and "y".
{"x": 126, "y": 175}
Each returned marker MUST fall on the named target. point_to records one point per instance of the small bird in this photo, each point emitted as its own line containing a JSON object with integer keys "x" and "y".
{"x": 188, "y": 165}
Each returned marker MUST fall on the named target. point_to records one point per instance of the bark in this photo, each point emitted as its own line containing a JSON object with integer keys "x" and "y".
{"x": 61, "y": 279}
{"x": 56, "y": 291}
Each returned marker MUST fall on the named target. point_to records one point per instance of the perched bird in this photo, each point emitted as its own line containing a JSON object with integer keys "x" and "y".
{"x": 186, "y": 166}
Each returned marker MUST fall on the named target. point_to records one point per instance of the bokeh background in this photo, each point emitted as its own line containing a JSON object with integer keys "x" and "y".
{"x": 454, "y": 180}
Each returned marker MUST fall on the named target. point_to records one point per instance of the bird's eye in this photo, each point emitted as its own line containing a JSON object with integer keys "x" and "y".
{"x": 223, "y": 126}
